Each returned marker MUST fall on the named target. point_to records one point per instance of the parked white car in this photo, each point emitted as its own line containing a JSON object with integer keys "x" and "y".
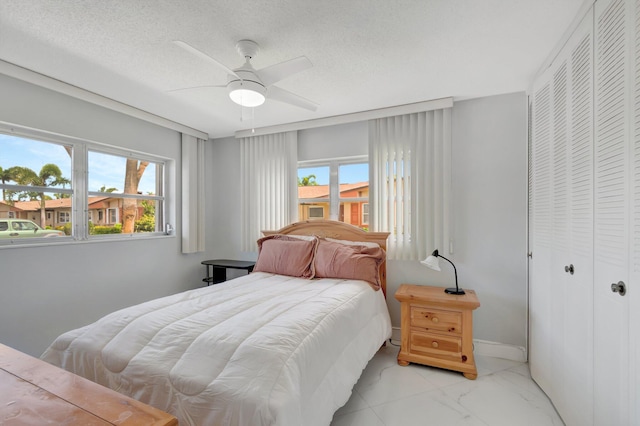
{"x": 22, "y": 228}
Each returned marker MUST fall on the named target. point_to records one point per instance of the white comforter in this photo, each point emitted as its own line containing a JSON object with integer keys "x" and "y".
{"x": 261, "y": 349}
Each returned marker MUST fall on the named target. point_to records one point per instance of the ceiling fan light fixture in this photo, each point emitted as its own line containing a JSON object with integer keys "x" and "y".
{"x": 247, "y": 93}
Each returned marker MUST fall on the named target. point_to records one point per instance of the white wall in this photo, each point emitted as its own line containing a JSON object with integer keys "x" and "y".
{"x": 343, "y": 140}
{"x": 490, "y": 206}
{"x": 47, "y": 290}
{"x": 489, "y": 202}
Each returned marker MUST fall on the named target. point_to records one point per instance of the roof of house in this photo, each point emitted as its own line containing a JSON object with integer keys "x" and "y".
{"x": 322, "y": 191}
{"x": 12, "y": 207}
{"x": 52, "y": 204}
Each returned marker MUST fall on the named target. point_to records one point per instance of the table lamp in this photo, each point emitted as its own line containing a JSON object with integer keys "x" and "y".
{"x": 433, "y": 263}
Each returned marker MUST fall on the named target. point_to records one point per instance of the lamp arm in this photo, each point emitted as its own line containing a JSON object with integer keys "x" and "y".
{"x": 455, "y": 271}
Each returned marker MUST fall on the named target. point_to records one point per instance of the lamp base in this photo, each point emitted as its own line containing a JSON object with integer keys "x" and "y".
{"x": 453, "y": 290}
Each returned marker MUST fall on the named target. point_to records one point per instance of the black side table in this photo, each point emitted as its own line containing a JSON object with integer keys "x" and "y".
{"x": 217, "y": 269}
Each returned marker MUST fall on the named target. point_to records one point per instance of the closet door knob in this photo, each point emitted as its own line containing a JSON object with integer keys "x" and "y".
{"x": 619, "y": 288}
{"x": 569, "y": 269}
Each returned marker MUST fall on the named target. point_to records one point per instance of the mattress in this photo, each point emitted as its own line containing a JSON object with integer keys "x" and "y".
{"x": 261, "y": 349}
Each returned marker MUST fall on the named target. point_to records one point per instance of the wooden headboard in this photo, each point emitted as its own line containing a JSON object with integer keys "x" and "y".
{"x": 339, "y": 231}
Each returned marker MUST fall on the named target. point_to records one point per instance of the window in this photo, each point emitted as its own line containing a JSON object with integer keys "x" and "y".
{"x": 11, "y": 215}
{"x": 35, "y": 174}
{"x": 58, "y": 182}
{"x": 365, "y": 213}
{"x": 316, "y": 212}
{"x": 112, "y": 215}
{"x": 335, "y": 189}
{"x": 64, "y": 217}
{"x": 133, "y": 196}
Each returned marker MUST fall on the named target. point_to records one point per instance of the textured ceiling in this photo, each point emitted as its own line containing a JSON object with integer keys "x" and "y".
{"x": 367, "y": 54}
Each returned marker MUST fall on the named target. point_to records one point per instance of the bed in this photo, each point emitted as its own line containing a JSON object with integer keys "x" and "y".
{"x": 283, "y": 345}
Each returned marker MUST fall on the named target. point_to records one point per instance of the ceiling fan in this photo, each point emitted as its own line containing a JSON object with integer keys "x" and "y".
{"x": 249, "y": 87}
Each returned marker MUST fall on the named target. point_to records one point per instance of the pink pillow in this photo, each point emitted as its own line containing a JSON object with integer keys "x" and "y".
{"x": 356, "y": 262}
{"x": 284, "y": 255}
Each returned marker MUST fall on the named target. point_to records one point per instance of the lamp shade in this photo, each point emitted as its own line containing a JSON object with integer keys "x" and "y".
{"x": 431, "y": 262}
{"x": 246, "y": 93}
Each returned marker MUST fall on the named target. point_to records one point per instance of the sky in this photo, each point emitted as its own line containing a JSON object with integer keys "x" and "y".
{"x": 348, "y": 173}
{"x": 104, "y": 170}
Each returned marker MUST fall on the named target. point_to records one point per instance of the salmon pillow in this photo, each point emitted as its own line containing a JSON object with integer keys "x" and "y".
{"x": 284, "y": 255}
{"x": 349, "y": 261}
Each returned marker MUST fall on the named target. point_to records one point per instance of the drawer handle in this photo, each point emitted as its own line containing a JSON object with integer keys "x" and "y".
{"x": 434, "y": 344}
{"x": 435, "y": 319}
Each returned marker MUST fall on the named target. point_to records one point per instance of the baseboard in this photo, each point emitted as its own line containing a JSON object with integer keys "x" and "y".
{"x": 499, "y": 350}
{"x": 395, "y": 335}
{"x": 483, "y": 347}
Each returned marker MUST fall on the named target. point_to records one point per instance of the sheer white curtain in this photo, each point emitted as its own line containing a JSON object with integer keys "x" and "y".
{"x": 269, "y": 184}
{"x": 193, "y": 225}
{"x": 410, "y": 178}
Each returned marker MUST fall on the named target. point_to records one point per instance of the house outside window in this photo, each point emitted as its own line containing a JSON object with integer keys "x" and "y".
{"x": 338, "y": 188}
{"x": 42, "y": 188}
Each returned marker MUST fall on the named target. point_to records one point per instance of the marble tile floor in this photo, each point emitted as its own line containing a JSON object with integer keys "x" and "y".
{"x": 390, "y": 395}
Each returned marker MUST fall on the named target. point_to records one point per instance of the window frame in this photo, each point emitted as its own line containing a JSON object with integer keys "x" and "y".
{"x": 321, "y": 208}
{"x": 334, "y": 199}
{"x": 79, "y": 216}
{"x": 365, "y": 206}
{"x": 112, "y": 215}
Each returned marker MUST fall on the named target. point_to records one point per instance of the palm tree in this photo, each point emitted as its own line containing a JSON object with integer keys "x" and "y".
{"x": 50, "y": 175}
{"x": 307, "y": 180}
{"x": 6, "y": 175}
{"x": 64, "y": 182}
{"x": 103, "y": 188}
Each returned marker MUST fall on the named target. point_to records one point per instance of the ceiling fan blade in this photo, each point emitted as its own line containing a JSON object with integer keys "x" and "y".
{"x": 204, "y": 56}
{"x": 274, "y": 73}
{"x": 195, "y": 87}
{"x": 278, "y": 94}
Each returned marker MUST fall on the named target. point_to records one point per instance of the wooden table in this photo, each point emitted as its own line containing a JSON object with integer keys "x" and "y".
{"x": 437, "y": 328}
{"x": 33, "y": 392}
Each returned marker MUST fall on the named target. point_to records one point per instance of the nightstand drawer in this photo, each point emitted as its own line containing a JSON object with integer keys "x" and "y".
{"x": 433, "y": 319}
{"x": 438, "y": 346}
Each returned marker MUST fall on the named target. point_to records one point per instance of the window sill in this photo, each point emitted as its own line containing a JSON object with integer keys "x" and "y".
{"x": 63, "y": 241}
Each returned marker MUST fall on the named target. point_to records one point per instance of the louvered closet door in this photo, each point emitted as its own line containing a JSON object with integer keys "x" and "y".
{"x": 634, "y": 284}
{"x": 613, "y": 51}
{"x": 562, "y": 229}
{"x": 540, "y": 289}
{"x": 576, "y": 376}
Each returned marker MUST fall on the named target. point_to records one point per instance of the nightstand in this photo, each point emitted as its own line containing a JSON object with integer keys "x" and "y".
{"x": 217, "y": 269}
{"x": 437, "y": 328}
